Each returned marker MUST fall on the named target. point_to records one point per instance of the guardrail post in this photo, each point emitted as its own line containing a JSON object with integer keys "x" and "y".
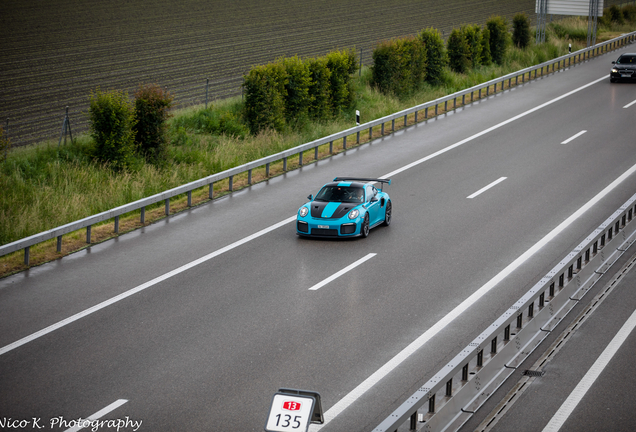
{"x": 285, "y": 164}
{"x": 189, "y": 198}
{"x": 405, "y": 116}
{"x": 449, "y": 388}
{"x": 393, "y": 125}
{"x": 26, "y": 255}
{"x": 211, "y": 188}
{"x": 316, "y": 148}
{"x": 331, "y": 143}
{"x": 431, "y": 404}
{"x": 531, "y": 310}
{"x": 357, "y": 140}
{"x": 445, "y": 106}
{"x": 551, "y": 291}
{"x": 520, "y": 320}
{"x": 116, "y": 225}
{"x": 143, "y": 215}
{"x": 249, "y": 177}
{"x": 507, "y": 333}
{"x": 542, "y": 299}
{"x": 480, "y": 358}
{"x": 463, "y": 99}
{"x": 465, "y": 372}
{"x": 300, "y": 158}
{"x": 344, "y": 143}
{"x": 382, "y": 130}
{"x": 493, "y": 346}
{"x": 435, "y": 110}
{"x": 167, "y": 204}
{"x": 59, "y": 243}
{"x": 88, "y": 234}
{"x": 231, "y": 182}
{"x": 413, "y": 425}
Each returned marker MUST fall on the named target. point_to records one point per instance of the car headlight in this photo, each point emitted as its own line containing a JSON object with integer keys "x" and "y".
{"x": 303, "y": 211}
{"x": 354, "y": 214}
{"x": 614, "y": 70}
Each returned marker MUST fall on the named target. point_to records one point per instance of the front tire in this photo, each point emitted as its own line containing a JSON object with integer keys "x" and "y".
{"x": 364, "y": 228}
{"x": 388, "y": 213}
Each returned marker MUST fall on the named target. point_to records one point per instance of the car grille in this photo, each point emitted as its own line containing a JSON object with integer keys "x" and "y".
{"x": 626, "y": 72}
{"x": 347, "y": 229}
{"x": 302, "y": 226}
{"x": 324, "y": 232}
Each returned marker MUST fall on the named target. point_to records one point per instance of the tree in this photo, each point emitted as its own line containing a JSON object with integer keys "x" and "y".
{"x": 265, "y": 97}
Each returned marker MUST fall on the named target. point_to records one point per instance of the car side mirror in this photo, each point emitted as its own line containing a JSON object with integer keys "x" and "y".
{"x": 613, "y": 62}
{"x": 310, "y": 197}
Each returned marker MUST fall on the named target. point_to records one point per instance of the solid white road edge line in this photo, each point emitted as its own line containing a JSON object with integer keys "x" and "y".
{"x": 592, "y": 374}
{"x": 484, "y": 189}
{"x": 141, "y": 287}
{"x": 441, "y": 324}
{"x": 341, "y": 272}
{"x": 573, "y": 137}
{"x": 99, "y": 414}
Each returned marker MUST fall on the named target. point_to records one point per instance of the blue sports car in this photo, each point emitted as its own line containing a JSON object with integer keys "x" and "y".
{"x": 346, "y": 207}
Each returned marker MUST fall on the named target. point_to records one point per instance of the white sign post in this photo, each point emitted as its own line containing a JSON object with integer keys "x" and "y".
{"x": 290, "y": 413}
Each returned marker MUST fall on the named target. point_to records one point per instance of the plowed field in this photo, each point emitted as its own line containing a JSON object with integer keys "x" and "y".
{"x": 54, "y": 52}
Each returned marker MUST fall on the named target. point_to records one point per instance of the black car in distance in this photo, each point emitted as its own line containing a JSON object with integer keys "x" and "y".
{"x": 624, "y": 68}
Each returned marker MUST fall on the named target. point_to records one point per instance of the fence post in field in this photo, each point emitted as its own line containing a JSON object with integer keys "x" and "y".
{"x": 66, "y": 128}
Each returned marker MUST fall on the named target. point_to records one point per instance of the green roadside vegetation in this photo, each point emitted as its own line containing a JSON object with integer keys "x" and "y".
{"x": 47, "y": 185}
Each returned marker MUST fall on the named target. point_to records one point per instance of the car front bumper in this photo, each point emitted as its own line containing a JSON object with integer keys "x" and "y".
{"x": 311, "y": 227}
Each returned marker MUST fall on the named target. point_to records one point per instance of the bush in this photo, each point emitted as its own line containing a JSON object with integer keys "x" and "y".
{"x": 265, "y": 96}
{"x": 629, "y": 13}
{"x": 472, "y": 35}
{"x": 458, "y": 52}
{"x": 152, "y": 105}
{"x": 341, "y": 64}
{"x": 486, "y": 56}
{"x": 112, "y": 119}
{"x": 498, "y": 28}
{"x": 297, "y": 84}
{"x": 616, "y": 15}
{"x": 399, "y": 66}
{"x": 436, "y": 56}
{"x": 521, "y": 30}
{"x": 319, "y": 106}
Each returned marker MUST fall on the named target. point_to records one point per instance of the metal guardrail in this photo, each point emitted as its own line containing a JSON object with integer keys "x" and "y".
{"x": 452, "y": 396}
{"x": 550, "y": 66}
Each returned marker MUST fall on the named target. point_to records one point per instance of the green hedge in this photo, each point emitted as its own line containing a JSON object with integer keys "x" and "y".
{"x": 399, "y": 66}
{"x": 291, "y": 90}
{"x": 521, "y": 30}
{"x": 436, "y": 56}
{"x": 499, "y": 37}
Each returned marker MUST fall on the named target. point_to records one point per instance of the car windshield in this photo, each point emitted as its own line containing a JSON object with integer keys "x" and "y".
{"x": 627, "y": 59}
{"x": 341, "y": 194}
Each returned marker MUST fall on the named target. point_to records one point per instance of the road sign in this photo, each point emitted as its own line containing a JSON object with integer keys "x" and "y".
{"x": 290, "y": 413}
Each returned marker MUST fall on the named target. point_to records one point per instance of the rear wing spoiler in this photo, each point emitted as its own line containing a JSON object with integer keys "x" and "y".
{"x": 367, "y": 180}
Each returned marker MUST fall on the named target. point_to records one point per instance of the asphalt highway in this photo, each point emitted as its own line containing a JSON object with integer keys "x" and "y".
{"x": 195, "y": 322}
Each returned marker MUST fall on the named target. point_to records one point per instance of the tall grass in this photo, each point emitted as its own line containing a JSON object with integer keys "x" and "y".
{"x": 45, "y": 186}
